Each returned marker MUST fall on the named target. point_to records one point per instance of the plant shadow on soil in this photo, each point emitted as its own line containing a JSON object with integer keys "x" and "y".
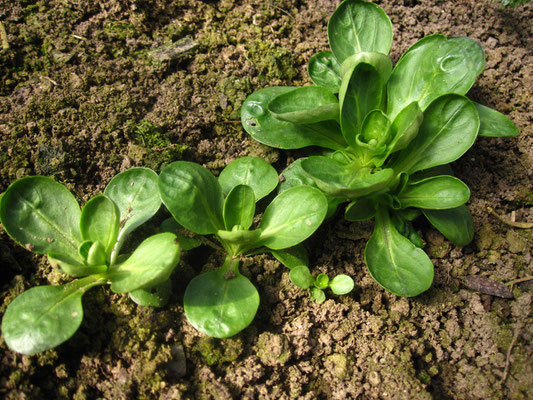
{"x": 88, "y": 90}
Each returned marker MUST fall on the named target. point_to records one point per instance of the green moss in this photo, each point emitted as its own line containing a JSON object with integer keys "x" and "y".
{"x": 233, "y": 91}
{"x": 120, "y": 30}
{"x": 272, "y": 61}
{"x": 216, "y": 351}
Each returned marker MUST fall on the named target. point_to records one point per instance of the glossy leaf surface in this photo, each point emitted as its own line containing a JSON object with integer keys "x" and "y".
{"x": 292, "y": 257}
{"x": 324, "y": 70}
{"x": 456, "y": 224}
{"x": 42, "y": 215}
{"x": 266, "y": 129}
{"x": 239, "y": 207}
{"x": 136, "y": 195}
{"x": 292, "y": 217}
{"x": 193, "y": 196}
{"x": 396, "y": 263}
{"x": 219, "y": 305}
{"x": 448, "y": 130}
{"x": 358, "y": 26}
{"x": 45, "y": 316}
{"x": 432, "y": 67}
{"x": 436, "y": 193}
{"x": 305, "y": 105}
{"x": 494, "y": 123}
{"x": 252, "y": 171}
{"x": 150, "y": 264}
{"x": 156, "y": 296}
{"x": 100, "y": 222}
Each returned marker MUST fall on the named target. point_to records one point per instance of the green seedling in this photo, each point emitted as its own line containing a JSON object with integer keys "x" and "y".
{"x": 223, "y": 302}
{"x": 44, "y": 217}
{"x": 387, "y": 136}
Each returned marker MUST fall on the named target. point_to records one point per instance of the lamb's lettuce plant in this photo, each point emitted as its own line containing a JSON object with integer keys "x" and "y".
{"x": 223, "y": 302}
{"x": 43, "y": 216}
{"x": 387, "y": 135}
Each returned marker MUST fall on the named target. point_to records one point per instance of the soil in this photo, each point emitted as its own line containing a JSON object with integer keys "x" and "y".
{"x": 89, "y": 89}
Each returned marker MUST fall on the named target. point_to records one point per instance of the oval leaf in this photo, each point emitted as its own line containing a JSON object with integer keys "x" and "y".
{"x": 266, "y": 129}
{"x": 45, "y": 316}
{"x": 156, "y": 296}
{"x": 252, "y": 171}
{"x": 193, "y": 196}
{"x": 239, "y": 207}
{"x": 432, "y": 67}
{"x": 324, "y": 70}
{"x": 150, "y": 264}
{"x": 292, "y": 257}
{"x": 494, "y": 123}
{"x": 100, "y": 222}
{"x": 42, "y": 215}
{"x": 292, "y": 217}
{"x": 305, "y": 105}
{"x": 341, "y": 284}
{"x": 448, "y": 130}
{"x": 396, "y": 263}
{"x": 436, "y": 193}
{"x": 456, "y": 224}
{"x": 136, "y": 195}
{"x": 220, "y": 306}
{"x": 358, "y": 26}
{"x": 301, "y": 277}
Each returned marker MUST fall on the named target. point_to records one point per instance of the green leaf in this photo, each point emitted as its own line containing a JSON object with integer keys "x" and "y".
{"x": 149, "y": 265}
{"x": 156, "y": 296}
{"x": 239, "y": 241}
{"x": 341, "y": 180}
{"x": 220, "y": 304}
{"x": 449, "y": 128}
{"x": 341, "y": 284}
{"x": 301, "y": 277}
{"x": 252, "y": 171}
{"x": 136, "y": 195}
{"x": 455, "y": 224}
{"x": 361, "y": 92}
{"x": 381, "y": 62}
{"x": 358, "y": 26}
{"x": 266, "y": 129}
{"x": 292, "y": 217}
{"x": 100, "y": 222}
{"x": 394, "y": 262}
{"x": 292, "y": 257}
{"x": 305, "y": 105}
{"x": 193, "y": 196}
{"x": 74, "y": 268}
{"x": 494, "y": 123}
{"x": 405, "y": 127}
{"x": 45, "y": 316}
{"x": 436, "y": 193}
{"x": 172, "y": 226}
{"x": 294, "y": 175}
{"x": 42, "y": 215}
{"x": 361, "y": 209}
{"x": 239, "y": 207}
{"x": 317, "y": 295}
{"x": 322, "y": 281}
{"x": 432, "y": 67}
{"x": 324, "y": 70}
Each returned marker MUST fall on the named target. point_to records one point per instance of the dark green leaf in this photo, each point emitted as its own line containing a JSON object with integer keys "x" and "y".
{"x": 263, "y": 127}
{"x": 239, "y": 207}
{"x": 42, "y": 215}
{"x": 432, "y": 67}
{"x": 292, "y": 217}
{"x": 156, "y": 296}
{"x": 361, "y": 209}
{"x": 150, "y": 264}
{"x": 494, "y": 123}
{"x": 186, "y": 242}
{"x": 396, "y": 263}
{"x": 252, "y": 171}
{"x": 45, "y": 316}
{"x": 358, "y": 26}
{"x": 435, "y": 193}
{"x": 301, "y": 277}
{"x": 193, "y": 196}
{"x": 455, "y": 224}
{"x": 324, "y": 70}
{"x": 405, "y": 127}
{"x": 449, "y": 128}
{"x": 341, "y": 284}
{"x": 220, "y": 305}
{"x": 136, "y": 195}
{"x": 100, "y": 221}
{"x": 305, "y": 105}
{"x": 292, "y": 257}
